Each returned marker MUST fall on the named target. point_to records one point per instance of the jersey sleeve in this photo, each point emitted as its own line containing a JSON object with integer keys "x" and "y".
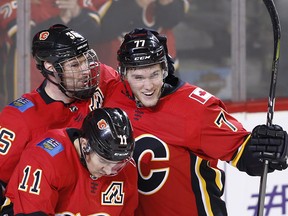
{"x": 216, "y": 134}
{"x": 14, "y": 136}
{"x": 30, "y": 187}
{"x": 108, "y": 78}
{"x": 221, "y": 133}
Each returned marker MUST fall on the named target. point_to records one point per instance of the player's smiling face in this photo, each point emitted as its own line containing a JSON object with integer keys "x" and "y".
{"x": 146, "y": 83}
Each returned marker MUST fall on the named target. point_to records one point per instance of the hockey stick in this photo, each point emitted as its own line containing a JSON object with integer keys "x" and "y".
{"x": 271, "y": 100}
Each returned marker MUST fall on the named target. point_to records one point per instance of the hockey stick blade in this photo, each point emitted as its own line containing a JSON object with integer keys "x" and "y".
{"x": 271, "y": 100}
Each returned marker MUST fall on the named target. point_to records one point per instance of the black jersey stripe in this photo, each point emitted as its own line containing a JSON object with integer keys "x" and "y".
{"x": 207, "y": 184}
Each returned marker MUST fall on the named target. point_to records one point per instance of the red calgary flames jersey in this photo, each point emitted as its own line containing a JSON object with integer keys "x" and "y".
{"x": 50, "y": 178}
{"x": 34, "y": 113}
{"x": 178, "y": 144}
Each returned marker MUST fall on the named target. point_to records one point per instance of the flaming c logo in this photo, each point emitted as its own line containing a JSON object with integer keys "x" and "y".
{"x": 43, "y": 35}
{"x": 102, "y": 124}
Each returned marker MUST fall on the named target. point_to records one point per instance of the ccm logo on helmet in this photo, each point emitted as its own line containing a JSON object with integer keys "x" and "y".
{"x": 120, "y": 154}
{"x": 142, "y": 58}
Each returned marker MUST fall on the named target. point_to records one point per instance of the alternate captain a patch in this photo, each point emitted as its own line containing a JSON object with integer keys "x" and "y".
{"x": 114, "y": 194}
{"x": 52, "y": 146}
{"x": 22, "y": 104}
{"x": 200, "y": 95}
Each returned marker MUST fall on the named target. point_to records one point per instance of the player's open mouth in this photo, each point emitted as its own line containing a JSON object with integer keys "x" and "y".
{"x": 149, "y": 94}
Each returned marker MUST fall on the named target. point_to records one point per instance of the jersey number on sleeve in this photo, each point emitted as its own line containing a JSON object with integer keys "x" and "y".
{"x": 221, "y": 118}
{"x": 37, "y": 174}
{"x": 6, "y": 139}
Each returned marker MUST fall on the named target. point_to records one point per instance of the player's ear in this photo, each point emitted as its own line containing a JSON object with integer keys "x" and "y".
{"x": 86, "y": 148}
{"x": 48, "y": 66}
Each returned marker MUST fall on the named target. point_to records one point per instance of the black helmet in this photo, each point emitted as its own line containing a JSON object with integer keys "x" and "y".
{"x": 59, "y": 45}
{"x": 142, "y": 47}
{"x": 109, "y": 133}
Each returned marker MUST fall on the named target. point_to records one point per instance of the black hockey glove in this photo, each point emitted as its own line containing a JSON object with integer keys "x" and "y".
{"x": 270, "y": 143}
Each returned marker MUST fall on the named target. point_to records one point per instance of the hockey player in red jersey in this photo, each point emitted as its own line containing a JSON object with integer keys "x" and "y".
{"x": 77, "y": 14}
{"x": 79, "y": 172}
{"x": 75, "y": 84}
{"x": 181, "y": 131}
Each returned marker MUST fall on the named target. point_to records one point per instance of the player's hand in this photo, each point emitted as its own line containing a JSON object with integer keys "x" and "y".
{"x": 270, "y": 143}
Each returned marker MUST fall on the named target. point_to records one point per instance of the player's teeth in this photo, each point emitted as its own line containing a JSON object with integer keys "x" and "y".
{"x": 148, "y": 94}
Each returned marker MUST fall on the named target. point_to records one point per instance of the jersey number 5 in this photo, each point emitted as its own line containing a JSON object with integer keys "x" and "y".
{"x": 6, "y": 139}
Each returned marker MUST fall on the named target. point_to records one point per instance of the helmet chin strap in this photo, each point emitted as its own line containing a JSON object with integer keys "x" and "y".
{"x": 82, "y": 157}
{"x": 139, "y": 104}
{"x": 75, "y": 95}
{"x": 131, "y": 96}
{"x": 83, "y": 160}
{"x": 46, "y": 74}
{"x": 127, "y": 93}
{"x": 64, "y": 91}
{"x": 60, "y": 88}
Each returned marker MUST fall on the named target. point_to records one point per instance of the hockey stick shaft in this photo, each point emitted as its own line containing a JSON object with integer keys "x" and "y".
{"x": 271, "y": 100}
